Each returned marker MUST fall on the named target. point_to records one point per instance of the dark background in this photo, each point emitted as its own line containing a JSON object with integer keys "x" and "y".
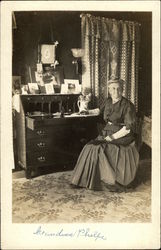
{"x": 35, "y": 27}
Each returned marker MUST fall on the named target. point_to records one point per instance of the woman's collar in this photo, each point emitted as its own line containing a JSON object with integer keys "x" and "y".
{"x": 117, "y": 100}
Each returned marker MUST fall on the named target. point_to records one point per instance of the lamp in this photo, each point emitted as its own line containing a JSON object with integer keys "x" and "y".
{"x": 77, "y": 53}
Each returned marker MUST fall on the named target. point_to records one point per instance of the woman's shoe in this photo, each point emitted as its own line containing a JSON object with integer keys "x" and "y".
{"x": 73, "y": 186}
{"x": 125, "y": 189}
{"x": 120, "y": 188}
{"x": 115, "y": 188}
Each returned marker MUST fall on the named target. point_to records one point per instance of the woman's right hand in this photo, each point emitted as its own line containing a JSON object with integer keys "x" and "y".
{"x": 100, "y": 138}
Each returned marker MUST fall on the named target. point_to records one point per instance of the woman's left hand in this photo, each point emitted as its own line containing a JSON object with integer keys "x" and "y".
{"x": 108, "y": 138}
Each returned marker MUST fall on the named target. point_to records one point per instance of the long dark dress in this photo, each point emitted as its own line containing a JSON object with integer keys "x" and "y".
{"x": 109, "y": 162}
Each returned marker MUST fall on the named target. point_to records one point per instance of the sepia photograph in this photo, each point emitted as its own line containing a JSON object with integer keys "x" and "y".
{"x": 94, "y": 162}
{"x": 115, "y": 161}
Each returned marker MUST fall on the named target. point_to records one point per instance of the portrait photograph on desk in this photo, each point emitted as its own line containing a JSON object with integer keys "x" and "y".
{"x": 82, "y": 146}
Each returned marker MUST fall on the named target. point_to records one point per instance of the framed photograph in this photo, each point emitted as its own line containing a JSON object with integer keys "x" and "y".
{"x": 73, "y": 86}
{"x": 64, "y": 89}
{"x": 33, "y": 88}
{"x": 38, "y": 77}
{"x": 47, "y": 53}
{"x": 16, "y": 84}
{"x": 49, "y": 88}
{"x": 39, "y": 67}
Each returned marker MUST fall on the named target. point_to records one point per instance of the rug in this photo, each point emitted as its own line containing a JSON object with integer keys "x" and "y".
{"x": 50, "y": 199}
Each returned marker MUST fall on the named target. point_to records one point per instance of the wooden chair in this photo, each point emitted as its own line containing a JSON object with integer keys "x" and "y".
{"x": 138, "y": 133}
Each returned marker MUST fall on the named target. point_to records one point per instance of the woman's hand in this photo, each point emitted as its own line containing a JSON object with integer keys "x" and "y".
{"x": 100, "y": 138}
{"x": 108, "y": 138}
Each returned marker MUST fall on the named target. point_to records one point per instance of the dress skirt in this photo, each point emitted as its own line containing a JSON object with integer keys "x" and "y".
{"x": 101, "y": 161}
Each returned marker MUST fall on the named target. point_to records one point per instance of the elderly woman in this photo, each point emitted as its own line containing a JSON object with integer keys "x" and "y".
{"x": 112, "y": 158}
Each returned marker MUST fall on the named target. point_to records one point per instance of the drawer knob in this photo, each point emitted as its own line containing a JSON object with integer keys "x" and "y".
{"x": 41, "y": 132}
{"x": 41, "y": 158}
{"x": 41, "y": 144}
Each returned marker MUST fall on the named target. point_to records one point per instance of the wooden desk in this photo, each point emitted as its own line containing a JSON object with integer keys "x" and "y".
{"x": 51, "y": 141}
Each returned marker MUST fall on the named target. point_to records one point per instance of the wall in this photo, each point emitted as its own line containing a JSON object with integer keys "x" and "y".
{"x": 34, "y": 27}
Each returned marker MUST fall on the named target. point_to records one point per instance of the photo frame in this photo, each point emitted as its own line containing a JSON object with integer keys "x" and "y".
{"x": 16, "y": 84}
{"x": 38, "y": 77}
{"x": 72, "y": 86}
{"x": 33, "y": 88}
{"x": 47, "y": 53}
{"x": 64, "y": 89}
{"x": 49, "y": 88}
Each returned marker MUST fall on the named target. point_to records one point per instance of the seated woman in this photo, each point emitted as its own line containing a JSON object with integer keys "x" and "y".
{"x": 111, "y": 158}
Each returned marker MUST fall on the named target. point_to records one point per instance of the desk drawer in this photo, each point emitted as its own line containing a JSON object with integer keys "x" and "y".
{"x": 49, "y": 158}
{"x": 40, "y": 144}
{"x": 45, "y": 132}
{"x": 41, "y": 158}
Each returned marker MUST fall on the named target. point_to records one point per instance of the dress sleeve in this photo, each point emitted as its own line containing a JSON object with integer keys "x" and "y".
{"x": 130, "y": 117}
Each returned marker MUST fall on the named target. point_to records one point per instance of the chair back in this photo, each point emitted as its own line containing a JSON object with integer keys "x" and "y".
{"x": 138, "y": 133}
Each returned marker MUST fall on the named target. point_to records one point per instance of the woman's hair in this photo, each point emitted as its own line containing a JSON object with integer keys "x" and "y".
{"x": 116, "y": 80}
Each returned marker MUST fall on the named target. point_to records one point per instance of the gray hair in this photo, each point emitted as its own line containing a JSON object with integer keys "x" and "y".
{"x": 116, "y": 80}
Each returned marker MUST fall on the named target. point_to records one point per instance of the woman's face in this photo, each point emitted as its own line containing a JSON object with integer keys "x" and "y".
{"x": 115, "y": 91}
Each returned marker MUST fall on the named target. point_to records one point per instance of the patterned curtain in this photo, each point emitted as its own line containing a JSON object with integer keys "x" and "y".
{"x": 111, "y": 49}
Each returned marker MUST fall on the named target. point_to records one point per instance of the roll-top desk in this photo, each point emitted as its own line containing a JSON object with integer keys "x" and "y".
{"x": 48, "y": 134}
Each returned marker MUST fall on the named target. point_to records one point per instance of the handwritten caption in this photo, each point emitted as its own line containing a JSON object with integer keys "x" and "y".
{"x": 80, "y": 233}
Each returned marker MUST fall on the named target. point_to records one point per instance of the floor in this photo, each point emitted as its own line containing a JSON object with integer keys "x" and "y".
{"x": 49, "y": 198}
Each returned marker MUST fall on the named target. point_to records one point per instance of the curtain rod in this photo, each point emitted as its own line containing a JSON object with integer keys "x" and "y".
{"x": 113, "y": 19}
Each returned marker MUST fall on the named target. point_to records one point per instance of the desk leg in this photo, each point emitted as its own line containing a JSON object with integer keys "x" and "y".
{"x": 28, "y": 173}
{"x": 31, "y": 172}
